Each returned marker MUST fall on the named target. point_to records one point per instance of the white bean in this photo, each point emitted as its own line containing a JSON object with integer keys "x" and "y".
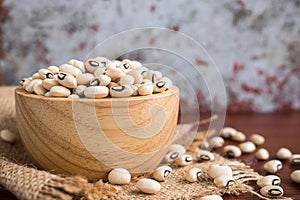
{"x": 138, "y": 78}
{"x": 168, "y": 81}
{"x": 232, "y": 151}
{"x": 283, "y": 153}
{"x": 38, "y": 88}
{"x": 59, "y": 91}
{"x": 113, "y": 71}
{"x": 216, "y": 142}
{"x": 92, "y": 65}
{"x": 204, "y": 155}
{"x": 96, "y": 92}
{"x": 211, "y": 197}
{"x": 66, "y": 80}
{"x": 295, "y": 159}
{"x": 224, "y": 181}
{"x": 78, "y": 64}
{"x": 135, "y": 90}
{"x": 159, "y": 87}
{"x": 45, "y": 73}
{"x": 121, "y": 91}
{"x": 29, "y": 86}
{"x": 8, "y": 136}
{"x": 268, "y": 180}
{"x": 119, "y": 176}
{"x": 102, "y": 61}
{"x": 272, "y": 166}
{"x": 171, "y": 156}
{"x": 145, "y": 89}
{"x": 54, "y": 69}
{"x": 257, "y": 139}
{"x": 295, "y": 176}
{"x": 85, "y": 78}
{"x": 25, "y": 81}
{"x": 227, "y": 132}
{"x": 127, "y": 65}
{"x": 150, "y": 75}
{"x": 47, "y": 94}
{"x": 215, "y": 171}
{"x": 238, "y": 136}
{"x": 161, "y": 173}
{"x": 73, "y": 96}
{"x": 36, "y": 76}
{"x": 184, "y": 160}
{"x": 48, "y": 83}
{"x": 100, "y": 71}
{"x": 193, "y": 174}
{"x": 262, "y": 154}
{"x": 136, "y": 64}
{"x": 79, "y": 90}
{"x": 126, "y": 80}
{"x": 247, "y": 147}
{"x": 178, "y": 148}
{"x": 148, "y": 186}
{"x": 271, "y": 191}
{"x": 70, "y": 69}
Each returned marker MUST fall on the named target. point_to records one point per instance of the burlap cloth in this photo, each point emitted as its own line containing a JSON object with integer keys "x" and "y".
{"x": 19, "y": 175}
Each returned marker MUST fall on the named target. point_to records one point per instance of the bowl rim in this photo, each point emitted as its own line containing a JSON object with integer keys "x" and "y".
{"x": 171, "y": 91}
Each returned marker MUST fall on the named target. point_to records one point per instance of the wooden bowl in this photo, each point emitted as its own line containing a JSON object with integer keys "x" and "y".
{"x": 89, "y": 137}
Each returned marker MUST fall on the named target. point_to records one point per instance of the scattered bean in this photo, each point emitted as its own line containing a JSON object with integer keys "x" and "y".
{"x": 238, "y": 136}
{"x": 295, "y": 176}
{"x": 178, "y": 148}
{"x": 161, "y": 173}
{"x": 227, "y": 132}
{"x": 257, "y": 139}
{"x": 268, "y": 180}
{"x": 184, "y": 160}
{"x": 224, "y": 181}
{"x": 216, "y": 142}
{"x": 148, "y": 186}
{"x": 96, "y": 92}
{"x": 271, "y": 191}
{"x": 8, "y": 136}
{"x": 171, "y": 156}
{"x": 295, "y": 159}
{"x": 232, "y": 151}
{"x": 193, "y": 174}
{"x": 272, "y": 166}
{"x": 215, "y": 171}
{"x": 283, "y": 153}
{"x": 247, "y": 147}
{"x": 204, "y": 155}
{"x": 59, "y": 91}
{"x": 262, "y": 154}
{"x": 119, "y": 176}
{"x": 211, "y": 197}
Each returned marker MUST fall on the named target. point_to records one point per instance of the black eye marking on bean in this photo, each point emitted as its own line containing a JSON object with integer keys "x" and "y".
{"x": 94, "y": 81}
{"x": 22, "y": 82}
{"x": 167, "y": 173}
{"x": 103, "y": 64}
{"x": 49, "y": 75}
{"x": 160, "y": 84}
{"x": 126, "y": 65}
{"x": 188, "y": 159}
{"x": 279, "y": 166}
{"x": 204, "y": 157}
{"x": 61, "y": 76}
{"x": 118, "y": 88}
{"x": 154, "y": 78}
{"x": 94, "y": 63}
{"x": 230, "y": 154}
{"x": 198, "y": 174}
{"x": 274, "y": 192}
{"x": 230, "y": 183}
{"x": 276, "y": 182}
{"x": 174, "y": 155}
{"x": 143, "y": 72}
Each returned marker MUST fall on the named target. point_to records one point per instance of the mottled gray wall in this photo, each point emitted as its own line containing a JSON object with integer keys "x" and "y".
{"x": 255, "y": 44}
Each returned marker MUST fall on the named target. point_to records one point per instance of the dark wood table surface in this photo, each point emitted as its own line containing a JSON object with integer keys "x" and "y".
{"x": 280, "y": 130}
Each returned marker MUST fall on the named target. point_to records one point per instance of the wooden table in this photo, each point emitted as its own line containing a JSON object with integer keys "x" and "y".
{"x": 280, "y": 130}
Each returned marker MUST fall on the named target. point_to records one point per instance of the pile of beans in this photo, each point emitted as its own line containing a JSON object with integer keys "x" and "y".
{"x": 96, "y": 78}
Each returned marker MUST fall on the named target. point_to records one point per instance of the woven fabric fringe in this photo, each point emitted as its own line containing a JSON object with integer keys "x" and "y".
{"x": 19, "y": 175}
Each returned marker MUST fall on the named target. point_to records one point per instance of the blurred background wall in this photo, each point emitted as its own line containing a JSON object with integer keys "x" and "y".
{"x": 255, "y": 44}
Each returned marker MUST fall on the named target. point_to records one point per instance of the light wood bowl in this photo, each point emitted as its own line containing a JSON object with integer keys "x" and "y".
{"x": 89, "y": 137}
